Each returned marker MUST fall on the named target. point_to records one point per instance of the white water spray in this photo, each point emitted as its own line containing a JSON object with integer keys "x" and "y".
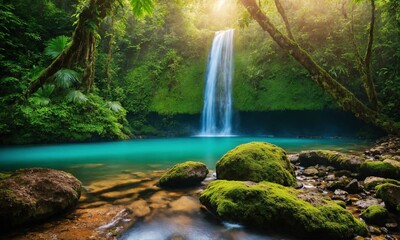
{"x": 217, "y": 108}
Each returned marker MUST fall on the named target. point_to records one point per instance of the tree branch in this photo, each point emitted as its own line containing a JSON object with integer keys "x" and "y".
{"x": 281, "y": 11}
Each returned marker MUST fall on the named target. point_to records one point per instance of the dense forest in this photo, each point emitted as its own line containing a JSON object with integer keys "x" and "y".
{"x": 137, "y": 65}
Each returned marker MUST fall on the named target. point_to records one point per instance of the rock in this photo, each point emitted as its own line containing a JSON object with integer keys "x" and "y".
{"x": 269, "y": 205}
{"x": 330, "y": 158}
{"x": 311, "y": 171}
{"x": 293, "y": 158}
{"x": 139, "y": 208}
{"x": 375, "y": 214}
{"x": 386, "y": 169}
{"x": 340, "y": 192}
{"x": 256, "y": 161}
{"x": 185, "y": 204}
{"x": 185, "y": 174}
{"x": 371, "y": 182}
{"x": 367, "y": 202}
{"x": 353, "y": 186}
{"x": 341, "y": 183}
{"x": 374, "y": 230}
{"x": 34, "y": 194}
{"x": 390, "y": 194}
{"x": 341, "y": 173}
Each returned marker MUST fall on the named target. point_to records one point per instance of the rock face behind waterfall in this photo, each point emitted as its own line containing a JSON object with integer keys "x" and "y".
{"x": 30, "y": 195}
{"x": 185, "y": 174}
{"x": 256, "y": 161}
{"x": 270, "y": 206}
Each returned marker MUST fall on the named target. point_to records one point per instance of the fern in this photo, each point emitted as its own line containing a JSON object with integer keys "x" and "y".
{"x": 42, "y": 96}
{"x": 66, "y": 77}
{"x": 56, "y": 46}
{"x": 76, "y": 96}
{"x": 114, "y": 106}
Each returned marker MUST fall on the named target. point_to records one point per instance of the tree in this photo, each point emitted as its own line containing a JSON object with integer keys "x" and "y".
{"x": 82, "y": 49}
{"x": 341, "y": 94}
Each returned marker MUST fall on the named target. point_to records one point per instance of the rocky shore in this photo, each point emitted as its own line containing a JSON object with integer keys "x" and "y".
{"x": 326, "y": 195}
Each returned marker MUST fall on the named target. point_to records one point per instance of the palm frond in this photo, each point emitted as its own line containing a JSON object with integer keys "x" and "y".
{"x": 76, "y": 96}
{"x": 42, "y": 96}
{"x": 114, "y": 106}
{"x": 66, "y": 77}
{"x": 56, "y": 46}
{"x": 141, "y": 8}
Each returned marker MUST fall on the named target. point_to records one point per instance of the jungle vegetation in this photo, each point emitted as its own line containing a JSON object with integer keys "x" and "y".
{"x": 84, "y": 70}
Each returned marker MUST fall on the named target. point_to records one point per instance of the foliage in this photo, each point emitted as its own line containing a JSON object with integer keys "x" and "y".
{"x": 65, "y": 78}
{"x": 56, "y": 46}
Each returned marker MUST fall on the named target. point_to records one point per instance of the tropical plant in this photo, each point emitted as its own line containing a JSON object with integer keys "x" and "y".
{"x": 42, "y": 96}
{"x": 115, "y": 106}
{"x": 76, "y": 96}
{"x": 56, "y": 46}
{"x": 65, "y": 78}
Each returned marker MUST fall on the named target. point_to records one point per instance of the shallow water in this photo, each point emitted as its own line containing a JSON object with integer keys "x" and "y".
{"x": 95, "y": 161}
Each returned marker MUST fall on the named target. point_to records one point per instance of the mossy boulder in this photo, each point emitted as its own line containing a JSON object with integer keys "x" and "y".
{"x": 271, "y": 206}
{"x": 371, "y": 182}
{"x": 34, "y": 194}
{"x": 375, "y": 214}
{"x": 330, "y": 158}
{"x": 386, "y": 169}
{"x": 390, "y": 194}
{"x": 256, "y": 161}
{"x": 185, "y": 174}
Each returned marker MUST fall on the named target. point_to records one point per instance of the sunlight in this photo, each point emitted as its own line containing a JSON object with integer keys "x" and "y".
{"x": 218, "y": 4}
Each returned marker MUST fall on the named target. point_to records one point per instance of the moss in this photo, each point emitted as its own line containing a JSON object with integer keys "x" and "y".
{"x": 279, "y": 208}
{"x": 375, "y": 214}
{"x": 256, "y": 161}
{"x": 4, "y": 175}
{"x": 380, "y": 169}
{"x": 330, "y": 158}
{"x": 372, "y": 184}
{"x": 341, "y": 203}
{"x": 184, "y": 175}
{"x": 390, "y": 194}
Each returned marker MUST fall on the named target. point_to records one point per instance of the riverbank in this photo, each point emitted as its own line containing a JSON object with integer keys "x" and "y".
{"x": 129, "y": 203}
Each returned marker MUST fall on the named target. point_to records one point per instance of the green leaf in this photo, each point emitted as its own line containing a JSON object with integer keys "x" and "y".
{"x": 66, "y": 77}
{"x": 76, "y": 96}
{"x": 42, "y": 96}
{"x": 141, "y": 8}
{"x": 56, "y": 46}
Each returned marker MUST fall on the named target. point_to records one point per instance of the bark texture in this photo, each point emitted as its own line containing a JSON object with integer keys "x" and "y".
{"x": 341, "y": 94}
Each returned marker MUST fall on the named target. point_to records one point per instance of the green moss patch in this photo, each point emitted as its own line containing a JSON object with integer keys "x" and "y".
{"x": 256, "y": 161}
{"x": 390, "y": 194}
{"x": 271, "y": 206}
{"x": 375, "y": 214}
{"x": 380, "y": 169}
{"x": 330, "y": 158}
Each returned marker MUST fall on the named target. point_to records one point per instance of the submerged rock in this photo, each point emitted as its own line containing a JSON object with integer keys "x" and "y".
{"x": 281, "y": 209}
{"x": 185, "y": 174}
{"x": 256, "y": 161}
{"x": 390, "y": 195}
{"x": 33, "y": 194}
{"x": 387, "y": 169}
{"x": 330, "y": 158}
{"x": 375, "y": 214}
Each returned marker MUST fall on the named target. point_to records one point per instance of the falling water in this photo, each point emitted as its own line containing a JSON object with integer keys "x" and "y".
{"x": 217, "y": 108}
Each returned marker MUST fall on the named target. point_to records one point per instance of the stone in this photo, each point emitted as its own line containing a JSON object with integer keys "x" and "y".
{"x": 187, "y": 174}
{"x": 390, "y": 194}
{"x": 33, "y": 194}
{"x": 256, "y": 161}
{"x": 371, "y": 182}
{"x": 340, "y": 183}
{"x": 367, "y": 202}
{"x": 375, "y": 214}
{"x": 311, "y": 171}
{"x": 185, "y": 204}
{"x": 269, "y": 206}
{"x": 330, "y": 158}
{"x": 386, "y": 169}
{"x": 353, "y": 186}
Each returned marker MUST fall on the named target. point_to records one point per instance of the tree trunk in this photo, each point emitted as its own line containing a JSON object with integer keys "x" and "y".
{"x": 342, "y": 95}
{"x": 281, "y": 11}
{"x": 82, "y": 49}
{"x": 109, "y": 53}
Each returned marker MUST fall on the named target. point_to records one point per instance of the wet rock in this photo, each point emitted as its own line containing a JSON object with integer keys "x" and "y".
{"x": 280, "y": 208}
{"x": 392, "y": 225}
{"x": 311, "y": 171}
{"x": 386, "y": 169}
{"x": 367, "y": 202}
{"x": 371, "y": 182}
{"x": 390, "y": 194}
{"x": 185, "y": 204}
{"x": 33, "y": 194}
{"x": 139, "y": 208}
{"x": 256, "y": 161}
{"x": 293, "y": 158}
{"x": 330, "y": 158}
{"x": 353, "y": 186}
{"x": 341, "y": 183}
{"x": 342, "y": 173}
{"x": 340, "y": 192}
{"x": 185, "y": 174}
{"x": 374, "y": 230}
{"x": 375, "y": 214}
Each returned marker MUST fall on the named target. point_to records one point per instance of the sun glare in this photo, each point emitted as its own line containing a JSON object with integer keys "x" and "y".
{"x": 218, "y": 5}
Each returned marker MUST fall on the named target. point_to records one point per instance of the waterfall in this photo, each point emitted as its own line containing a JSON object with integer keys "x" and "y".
{"x": 217, "y": 108}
